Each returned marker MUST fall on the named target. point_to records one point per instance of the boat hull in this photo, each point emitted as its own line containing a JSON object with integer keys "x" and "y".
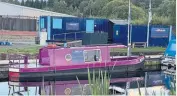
{"x": 122, "y": 71}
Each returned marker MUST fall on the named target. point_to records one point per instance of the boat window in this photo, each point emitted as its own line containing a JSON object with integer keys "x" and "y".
{"x": 92, "y": 55}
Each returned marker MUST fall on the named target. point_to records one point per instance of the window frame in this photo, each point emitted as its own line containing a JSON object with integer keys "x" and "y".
{"x": 100, "y": 59}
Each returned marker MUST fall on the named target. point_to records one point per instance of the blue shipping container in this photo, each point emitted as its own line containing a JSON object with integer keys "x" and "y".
{"x": 74, "y": 27}
{"x": 139, "y": 34}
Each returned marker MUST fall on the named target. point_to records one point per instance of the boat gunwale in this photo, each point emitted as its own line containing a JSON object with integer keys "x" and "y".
{"x": 114, "y": 80}
{"x": 80, "y": 66}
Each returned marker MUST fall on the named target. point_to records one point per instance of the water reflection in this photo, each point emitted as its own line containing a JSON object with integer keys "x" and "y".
{"x": 57, "y": 87}
{"x": 72, "y": 87}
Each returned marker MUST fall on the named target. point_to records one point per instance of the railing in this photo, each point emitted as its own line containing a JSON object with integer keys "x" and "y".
{"x": 65, "y": 35}
{"x": 15, "y": 60}
{"x": 139, "y": 44}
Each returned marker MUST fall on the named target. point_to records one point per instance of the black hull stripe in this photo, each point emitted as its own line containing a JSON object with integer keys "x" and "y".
{"x": 125, "y": 71}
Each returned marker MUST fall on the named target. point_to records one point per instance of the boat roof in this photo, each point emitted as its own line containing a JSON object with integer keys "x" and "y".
{"x": 94, "y": 46}
{"x": 171, "y": 48}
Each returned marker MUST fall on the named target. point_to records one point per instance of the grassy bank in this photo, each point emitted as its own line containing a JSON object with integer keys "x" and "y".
{"x": 24, "y": 50}
{"x": 149, "y": 49}
{"x": 35, "y": 49}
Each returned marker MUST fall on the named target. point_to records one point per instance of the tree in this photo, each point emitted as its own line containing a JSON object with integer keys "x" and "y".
{"x": 167, "y": 9}
{"x": 27, "y": 3}
{"x": 145, "y": 3}
{"x": 10, "y": 1}
{"x": 37, "y": 4}
{"x": 97, "y": 6}
{"x": 44, "y": 4}
{"x": 60, "y": 7}
{"x": 32, "y": 4}
{"x": 41, "y": 4}
{"x": 22, "y": 3}
{"x": 88, "y": 10}
{"x": 50, "y": 3}
{"x": 118, "y": 9}
{"x": 160, "y": 20}
{"x": 82, "y": 5}
{"x": 4, "y": 0}
{"x": 73, "y": 3}
{"x": 16, "y": 2}
{"x": 164, "y": 11}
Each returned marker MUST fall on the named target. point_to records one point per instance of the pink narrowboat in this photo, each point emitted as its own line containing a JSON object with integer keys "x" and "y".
{"x": 64, "y": 64}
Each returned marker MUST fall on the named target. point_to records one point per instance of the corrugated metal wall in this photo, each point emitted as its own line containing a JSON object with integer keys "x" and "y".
{"x": 118, "y": 33}
{"x": 59, "y": 32}
{"x": 138, "y": 34}
{"x": 18, "y": 23}
{"x": 62, "y": 25}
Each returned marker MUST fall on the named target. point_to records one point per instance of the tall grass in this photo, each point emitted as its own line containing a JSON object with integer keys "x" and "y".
{"x": 99, "y": 82}
{"x": 99, "y": 85}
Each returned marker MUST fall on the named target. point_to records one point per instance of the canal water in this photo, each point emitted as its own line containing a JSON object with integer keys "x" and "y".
{"x": 58, "y": 88}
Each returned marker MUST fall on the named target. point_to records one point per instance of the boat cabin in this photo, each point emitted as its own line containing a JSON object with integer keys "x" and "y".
{"x": 59, "y": 56}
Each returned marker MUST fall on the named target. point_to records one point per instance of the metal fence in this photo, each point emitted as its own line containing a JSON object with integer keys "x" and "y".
{"x": 18, "y": 23}
{"x": 68, "y": 36}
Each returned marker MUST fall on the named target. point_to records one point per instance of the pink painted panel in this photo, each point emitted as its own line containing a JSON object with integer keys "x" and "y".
{"x": 57, "y": 57}
{"x": 44, "y": 57}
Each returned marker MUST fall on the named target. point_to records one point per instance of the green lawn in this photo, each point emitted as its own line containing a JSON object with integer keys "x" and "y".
{"x": 26, "y": 50}
{"x": 35, "y": 49}
{"x": 149, "y": 49}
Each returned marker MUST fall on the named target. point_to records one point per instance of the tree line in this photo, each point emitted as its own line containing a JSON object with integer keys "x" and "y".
{"x": 163, "y": 10}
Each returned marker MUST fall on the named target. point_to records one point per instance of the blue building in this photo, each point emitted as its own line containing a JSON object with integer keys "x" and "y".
{"x": 72, "y": 28}
{"x": 159, "y": 35}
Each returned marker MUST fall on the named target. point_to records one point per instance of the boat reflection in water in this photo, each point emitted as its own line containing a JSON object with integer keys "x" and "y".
{"x": 61, "y": 87}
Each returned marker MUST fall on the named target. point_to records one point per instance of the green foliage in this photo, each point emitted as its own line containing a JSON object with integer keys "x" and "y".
{"x": 26, "y": 50}
{"x": 167, "y": 9}
{"x": 160, "y": 20}
{"x": 141, "y": 21}
{"x": 99, "y": 85}
{"x": 22, "y": 3}
{"x": 36, "y": 4}
{"x": 96, "y": 7}
{"x": 16, "y": 2}
{"x": 164, "y": 11}
{"x": 50, "y": 3}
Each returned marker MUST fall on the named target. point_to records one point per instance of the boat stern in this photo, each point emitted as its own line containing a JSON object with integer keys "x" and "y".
{"x": 14, "y": 74}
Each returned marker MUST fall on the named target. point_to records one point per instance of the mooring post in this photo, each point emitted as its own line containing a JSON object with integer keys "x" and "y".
{"x": 36, "y": 91}
{"x": 138, "y": 87}
{"x": 145, "y": 82}
{"x": 25, "y": 59}
{"x": 9, "y": 90}
{"x": 127, "y": 87}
